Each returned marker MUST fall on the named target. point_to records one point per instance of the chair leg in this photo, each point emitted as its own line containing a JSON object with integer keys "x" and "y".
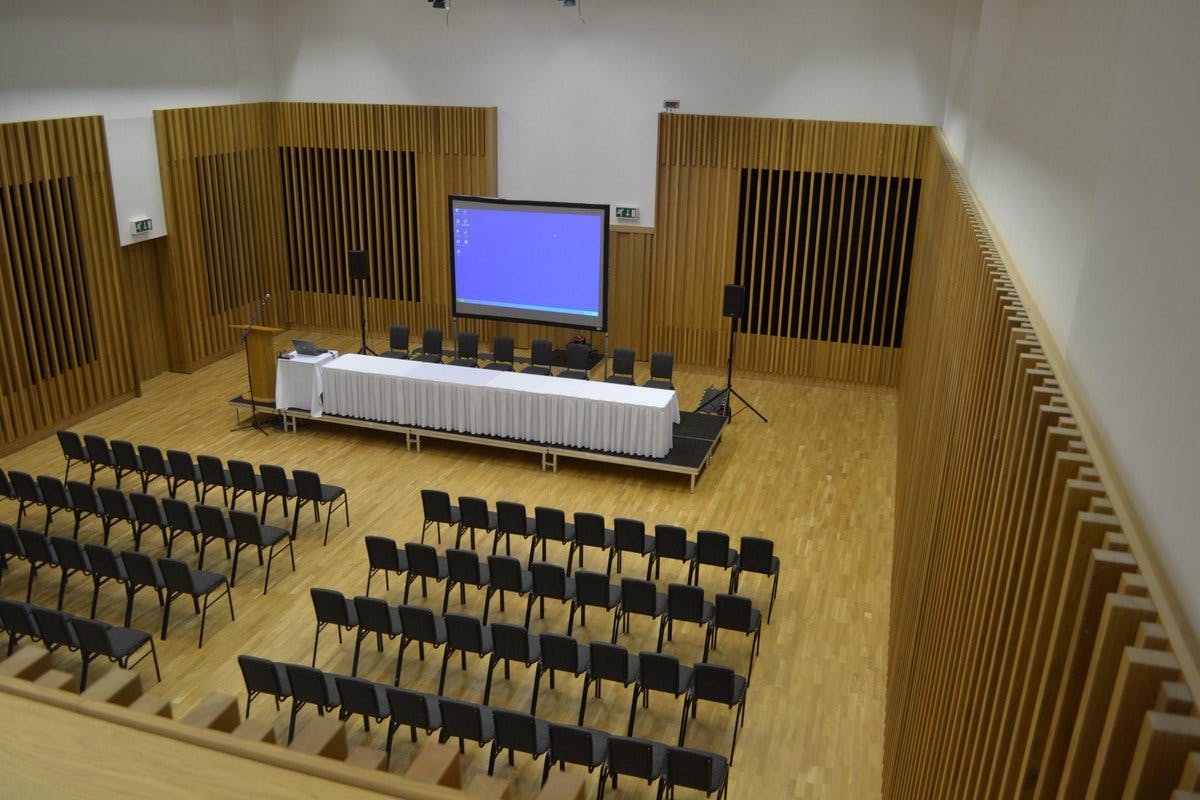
{"x": 662, "y": 628}
{"x": 203, "y": 618}
{"x": 632, "y": 711}
{"x": 154, "y": 658}
{"x": 583, "y": 698}
{"x": 62, "y": 590}
{"x": 774, "y": 589}
{"x": 267, "y": 577}
{"x": 683, "y": 720}
{"x": 492, "y": 759}
{"x": 292, "y": 723}
{"x": 487, "y": 686}
{"x": 537, "y": 682}
{"x": 316, "y": 639}
{"x": 487, "y": 601}
{"x": 129, "y": 593}
{"x": 445, "y": 663}
{"x": 166, "y": 615}
{"x": 399, "y": 661}
{"x": 358, "y": 638}
{"x": 446, "y": 598}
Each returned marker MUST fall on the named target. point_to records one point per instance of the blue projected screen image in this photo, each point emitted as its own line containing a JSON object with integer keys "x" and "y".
{"x": 529, "y": 261}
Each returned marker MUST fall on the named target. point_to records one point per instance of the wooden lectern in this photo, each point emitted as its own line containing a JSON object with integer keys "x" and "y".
{"x": 260, "y": 352}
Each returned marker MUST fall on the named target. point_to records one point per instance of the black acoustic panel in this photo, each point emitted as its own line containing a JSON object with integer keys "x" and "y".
{"x": 735, "y": 301}
{"x": 358, "y": 265}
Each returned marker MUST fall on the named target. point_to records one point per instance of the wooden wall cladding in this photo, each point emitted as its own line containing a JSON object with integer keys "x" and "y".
{"x": 1026, "y": 655}
{"x": 702, "y": 163}
{"x": 143, "y": 264}
{"x": 61, "y": 302}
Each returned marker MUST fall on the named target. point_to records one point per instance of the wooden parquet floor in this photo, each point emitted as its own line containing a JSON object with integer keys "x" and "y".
{"x": 819, "y": 480}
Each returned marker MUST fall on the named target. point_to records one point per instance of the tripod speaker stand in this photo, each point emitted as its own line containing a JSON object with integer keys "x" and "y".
{"x": 358, "y": 274}
{"x": 722, "y": 400}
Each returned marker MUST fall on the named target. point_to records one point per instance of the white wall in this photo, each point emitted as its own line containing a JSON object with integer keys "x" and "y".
{"x": 1078, "y": 123}
{"x": 124, "y": 58}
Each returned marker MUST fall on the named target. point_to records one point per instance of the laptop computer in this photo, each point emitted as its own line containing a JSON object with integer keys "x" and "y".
{"x": 307, "y": 348}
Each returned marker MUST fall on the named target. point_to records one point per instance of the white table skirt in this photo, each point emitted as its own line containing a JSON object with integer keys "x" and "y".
{"x": 561, "y": 411}
{"x": 295, "y": 380}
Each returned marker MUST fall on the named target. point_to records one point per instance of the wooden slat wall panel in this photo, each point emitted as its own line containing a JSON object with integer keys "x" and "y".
{"x": 143, "y": 263}
{"x": 700, "y": 162}
{"x": 61, "y": 309}
{"x": 1025, "y": 654}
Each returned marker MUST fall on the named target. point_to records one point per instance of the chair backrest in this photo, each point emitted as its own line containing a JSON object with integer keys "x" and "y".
{"x": 685, "y": 602}
{"x": 152, "y": 459}
{"x": 670, "y": 541}
{"x": 260, "y": 676}
{"x": 577, "y": 357}
{"x": 468, "y": 344}
{"x": 382, "y": 553}
{"x": 115, "y": 502}
{"x": 6, "y": 487}
{"x": 246, "y": 527}
{"x": 375, "y": 615}
{"x": 212, "y": 470}
{"x": 54, "y": 493}
{"x": 463, "y": 566}
{"x": 54, "y": 627}
{"x": 25, "y": 486}
{"x": 330, "y": 606}
{"x": 72, "y": 445}
{"x": 713, "y": 682}
{"x": 461, "y": 720}
{"x": 241, "y": 473}
{"x": 418, "y": 623}
{"x": 358, "y": 696}
{"x": 37, "y": 547}
{"x": 422, "y": 559}
{"x": 633, "y": 757}
{"x": 125, "y": 454}
{"x": 92, "y": 636}
{"x": 511, "y": 517}
{"x": 398, "y": 338}
{"x": 141, "y": 568}
{"x": 574, "y": 744}
{"x": 97, "y": 448}
{"x": 622, "y": 363}
{"x": 734, "y": 612}
{"x": 591, "y": 588}
{"x": 659, "y": 671}
{"x": 630, "y": 534}
{"x": 502, "y": 349}
{"x": 550, "y": 523}
{"x": 180, "y": 516}
{"x": 146, "y": 508}
{"x": 84, "y": 497}
{"x": 474, "y": 512}
{"x": 712, "y": 547}
{"x": 692, "y": 769}
{"x": 213, "y": 522}
{"x": 308, "y": 484}
{"x": 504, "y": 572}
{"x": 515, "y": 730}
{"x": 436, "y": 505}
{"x": 105, "y": 562}
{"x": 511, "y": 641}
{"x": 549, "y": 580}
{"x": 275, "y": 480}
{"x": 71, "y": 554}
{"x": 431, "y": 342}
{"x": 10, "y": 543}
{"x": 611, "y": 662}
{"x": 309, "y": 686}
{"x": 464, "y": 632}
{"x": 755, "y": 554}
{"x": 410, "y": 708}
{"x": 18, "y": 619}
{"x": 541, "y": 352}
{"x": 638, "y": 596}
{"x": 560, "y": 652}
{"x": 177, "y": 576}
{"x": 661, "y": 366}
{"x": 589, "y": 528}
{"x": 182, "y": 466}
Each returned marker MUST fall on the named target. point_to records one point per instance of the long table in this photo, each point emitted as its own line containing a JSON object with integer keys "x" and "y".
{"x": 557, "y": 411}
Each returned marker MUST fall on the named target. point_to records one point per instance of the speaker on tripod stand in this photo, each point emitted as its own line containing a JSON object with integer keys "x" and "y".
{"x": 357, "y": 260}
{"x": 721, "y": 401}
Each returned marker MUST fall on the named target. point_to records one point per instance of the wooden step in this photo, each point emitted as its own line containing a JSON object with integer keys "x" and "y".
{"x": 57, "y": 679}
{"x": 255, "y": 731}
{"x": 323, "y": 736}
{"x": 118, "y": 686}
{"x": 29, "y": 662}
{"x": 436, "y": 763}
{"x": 562, "y": 786}
{"x": 487, "y": 787}
{"x": 150, "y": 703}
{"x": 367, "y": 758}
{"x": 217, "y": 712}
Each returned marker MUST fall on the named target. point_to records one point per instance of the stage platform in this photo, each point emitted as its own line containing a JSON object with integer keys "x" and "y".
{"x": 694, "y": 439}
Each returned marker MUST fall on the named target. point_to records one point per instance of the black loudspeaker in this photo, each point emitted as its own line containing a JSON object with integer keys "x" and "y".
{"x": 735, "y": 300}
{"x": 358, "y": 265}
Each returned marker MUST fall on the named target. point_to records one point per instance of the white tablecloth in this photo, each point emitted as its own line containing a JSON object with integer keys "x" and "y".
{"x": 295, "y": 380}
{"x": 537, "y": 408}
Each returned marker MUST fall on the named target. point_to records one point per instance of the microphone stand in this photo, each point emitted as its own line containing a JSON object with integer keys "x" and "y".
{"x": 253, "y": 422}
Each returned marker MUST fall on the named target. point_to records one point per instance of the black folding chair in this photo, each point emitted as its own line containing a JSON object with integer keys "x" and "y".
{"x": 670, "y": 541}
{"x": 106, "y": 566}
{"x": 179, "y": 580}
{"x": 374, "y": 616}
{"x": 590, "y": 532}
{"x": 148, "y": 513}
{"x": 264, "y": 677}
{"x": 154, "y": 465}
{"x": 276, "y": 483}
{"x": 631, "y": 537}
{"x": 757, "y": 556}
{"x": 6, "y": 487}
{"x": 718, "y": 684}
{"x": 363, "y": 697}
{"x": 245, "y": 481}
{"x": 684, "y": 604}
{"x": 183, "y": 470}
{"x": 331, "y": 608}
{"x": 310, "y": 687}
{"x": 608, "y": 662}
{"x": 515, "y": 732}
{"x": 114, "y": 508}
{"x": 182, "y": 521}
{"x": 54, "y": 498}
{"x": 510, "y": 643}
{"x": 474, "y": 516}
{"x": 431, "y": 346}
{"x": 213, "y": 475}
{"x": 733, "y": 612}
{"x": 72, "y": 559}
{"x": 17, "y": 620}
{"x": 550, "y": 525}
{"x": 505, "y": 574}
{"x": 593, "y": 589}
{"x": 384, "y": 555}
{"x": 465, "y": 721}
{"x": 86, "y": 502}
{"x": 72, "y": 449}
{"x": 541, "y": 356}
{"x": 571, "y": 744}
{"x": 10, "y": 546}
{"x": 502, "y": 354}
{"x": 549, "y": 580}
{"x": 38, "y": 552}
{"x": 99, "y": 456}
{"x": 511, "y": 520}
{"x": 658, "y": 673}
{"x": 463, "y": 569}
{"x": 116, "y": 644}
{"x": 27, "y": 494}
{"x": 422, "y": 626}
{"x": 126, "y": 461}
{"x": 622, "y": 367}
{"x": 414, "y": 709}
{"x": 437, "y": 509}
{"x": 309, "y": 489}
{"x": 694, "y": 769}
{"x": 214, "y": 527}
{"x": 143, "y": 573}
{"x": 54, "y": 629}
{"x": 397, "y": 342}
{"x": 464, "y": 634}
{"x": 639, "y": 597}
{"x": 558, "y": 653}
{"x": 248, "y": 532}
{"x": 637, "y": 758}
{"x": 468, "y": 350}
{"x": 661, "y": 369}
{"x": 712, "y": 549}
{"x": 577, "y": 361}
{"x": 423, "y": 563}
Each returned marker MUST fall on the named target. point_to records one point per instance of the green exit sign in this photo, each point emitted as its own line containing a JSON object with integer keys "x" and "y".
{"x": 627, "y": 212}
{"x": 141, "y": 225}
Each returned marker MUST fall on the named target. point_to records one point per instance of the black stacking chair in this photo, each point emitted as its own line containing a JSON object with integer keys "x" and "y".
{"x": 10, "y": 546}
{"x": 502, "y": 354}
{"x": 115, "y": 507}
{"x": 661, "y": 367}
{"x": 423, "y": 563}
{"x": 608, "y": 662}
{"x": 422, "y": 626}
{"x": 377, "y": 617}
{"x": 384, "y": 555}
{"x": 397, "y": 342}
{"x": 694, "y": 769}
{"x": 72, "y": 558}
{"x": 27, "y": 494}
{"x": 468, "y": 350}
{"x": 757, "y": 556}
{"x": 179, "y": 579}
{"x": 99, "y": 456}
{"x": 54, "y": 629}
{"x": 245, "y": 481}
{"x": 154, "y": 465}
{"x": 733, "y": 612}
{"x": 571, "y": 744}
{"x": 511, "y": 520}
{"x": 276, "y": 483}
{"x": 658, "y": 673}
{"x": 309, "y": 489}
{"x": 541, "y": 356}
{"x": 183, "y": 470}
{"x": 630, "y": 537}
{"x": 213, "y": 475}
{"x": 474, "y": 516}
{"x": 17, "y": 620}
{"x": 593, "y": 589}
{"x": 505, "y": 574}
{"x": 147, "y": 513}
{"x": 717, "y": 684}
{"x": 116, "y": 644}
{"x": 54, "y": 497}
{"x": 550, "y": 524}
{"x": 143, "y": 573}
{"x": 622, "y": 367}
{"x": 126, "y": 461}
{"x": 558, "y": 652}
{"x": 712, "y": 549}
{"x": 549, "y": 580}
{"x": 73, "y": 450}
{"x": 182, "y": 521}
{"x": 310, "y": 686}
{"x": 637, "y": 758}
{"x": 577, "y": 361}
{"x": 106, "y": 566}
{"x": 214, "y": 527}
{"x": 510, "y": 643}
{"x": 464, "y": 569}
{"x": 414, "y": 709}
{"x": 85, "y": 501}
{"x": 685, "y": 604}
{"x": 248, "y": 532}
{"x": 639, "y": 597}
{"x": 38, "y": 552}
{"x": 6, "y": 487}
{"x": 465, "y": 721}
{"x": 516, "y": 731}
{"x": 361, "y": 696}
{"x": 431, "y": 346}
{"x": 590, "y": 532}
{"x": 670, "y": 541}
{"x": 464, "y": 634}
{"x": 331, "y": 608}
{"x": 437, "y": 508}
{"x": 264, "y": 677}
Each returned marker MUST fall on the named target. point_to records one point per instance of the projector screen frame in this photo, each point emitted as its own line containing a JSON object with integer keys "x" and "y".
{"x": 605, "y": 210}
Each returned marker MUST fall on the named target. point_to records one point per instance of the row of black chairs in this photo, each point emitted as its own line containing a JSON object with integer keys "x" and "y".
{"x": 504, "y": 729}
{"x": 541, "y": 356}
{"x": 711, "y": 548}
{"x": 169, "y": 578}
{"x": 91, "y": 638}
